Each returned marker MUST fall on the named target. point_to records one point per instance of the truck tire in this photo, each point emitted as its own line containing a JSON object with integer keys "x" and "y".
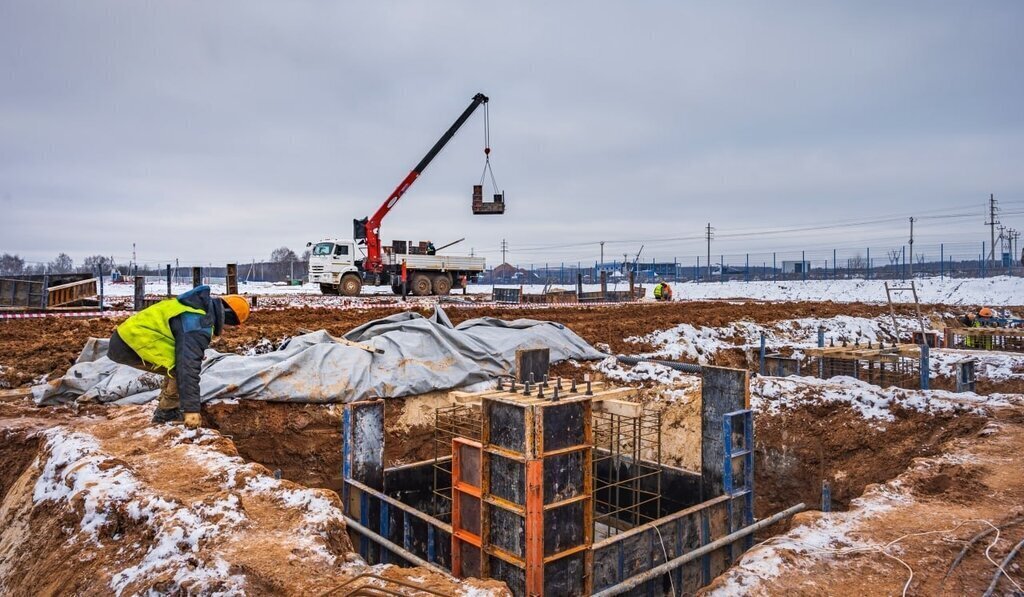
{"x": 419, "y": 284}
{"x": 351, "y": 285}
{"x": 442, "y": 284}
{"x": 328, "y": 289}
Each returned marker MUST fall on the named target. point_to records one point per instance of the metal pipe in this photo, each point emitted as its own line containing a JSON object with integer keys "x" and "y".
{"x": 401, "y": 551}
{"x": 671, "y": 565}
{"x": 685, "y": 367}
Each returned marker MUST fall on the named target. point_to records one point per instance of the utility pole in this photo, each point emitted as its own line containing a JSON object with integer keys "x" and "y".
{"x": 911, "y": 247}
{"x": 992, "y": 223}
{"x": 602, "y": 255}
{"x": 504, "y": 249}
{"x": 709, "y": 234}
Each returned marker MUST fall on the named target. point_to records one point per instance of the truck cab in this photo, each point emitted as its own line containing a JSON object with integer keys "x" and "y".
{"x": 334, "y": 265}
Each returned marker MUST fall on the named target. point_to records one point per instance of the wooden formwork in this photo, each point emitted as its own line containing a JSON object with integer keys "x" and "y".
{"x": 985, "y": 338}
{"x": 22, "y": 293}
{"x": 897, "y": 365}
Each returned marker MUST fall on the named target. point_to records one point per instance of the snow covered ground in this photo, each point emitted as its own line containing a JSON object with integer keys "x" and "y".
{"x": 995, "y": 292}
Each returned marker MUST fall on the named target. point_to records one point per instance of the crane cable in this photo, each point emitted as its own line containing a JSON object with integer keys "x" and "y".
{"x": 487, "y": 150}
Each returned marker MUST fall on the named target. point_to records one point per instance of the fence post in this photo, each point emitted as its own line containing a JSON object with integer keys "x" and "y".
{"x": 140, "y": 291}
{"x": 942, "y": 261}
{"x": 868, "y": 276}
{"x": 803, "y": 264}
{"x": 775, "y": 270}
{"x": 101, "y": 284}
{"x": 821, "y": 344}
{"x": 762, "y": 354}
{"x": 746, "y": 271}
{"x": 982, "y": 261}
{"x": 168, "y": 279}
{"x": 925, "y": 370}
{"x": 696, "y": 271}
{"x": 721, "y": 270}
{"x": 833, "y": 264}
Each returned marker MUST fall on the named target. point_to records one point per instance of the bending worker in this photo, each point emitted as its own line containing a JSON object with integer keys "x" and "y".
{"x": 169, "y": 338}
{"x": 662, "y": 292}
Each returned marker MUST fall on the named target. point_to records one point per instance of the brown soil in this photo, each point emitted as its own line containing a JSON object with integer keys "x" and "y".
{"x": 270, "y": 548}
{"x": 972, "y": 479}
{"x": 30, "y": 348}
{"x": 801, "y": 447}
{"x": 302, "y": 441}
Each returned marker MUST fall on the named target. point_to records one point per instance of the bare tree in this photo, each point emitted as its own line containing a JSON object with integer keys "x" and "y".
{"x": 856, "y": 262}
{"x": 94, "y": 262}
{"x": 63, "y": 264}
{"x": 283, "y": 255}
{"x": 11, "y": 265}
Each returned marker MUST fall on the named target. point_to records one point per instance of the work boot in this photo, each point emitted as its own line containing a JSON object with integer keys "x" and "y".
{"x": 169, "y": 395}
{"x": 168, "y": 415}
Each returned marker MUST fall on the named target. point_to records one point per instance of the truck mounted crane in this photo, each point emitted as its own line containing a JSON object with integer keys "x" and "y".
{"x": 333, "y": 262}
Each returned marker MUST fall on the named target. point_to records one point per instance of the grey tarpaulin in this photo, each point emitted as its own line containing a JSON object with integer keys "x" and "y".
{"x": 420, "y": 355}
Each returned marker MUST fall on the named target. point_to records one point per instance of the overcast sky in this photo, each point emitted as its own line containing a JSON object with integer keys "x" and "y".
{"x": 216, "y": 131}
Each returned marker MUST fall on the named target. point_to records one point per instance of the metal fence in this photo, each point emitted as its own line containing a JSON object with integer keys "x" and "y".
{"x": 955, "y": 260}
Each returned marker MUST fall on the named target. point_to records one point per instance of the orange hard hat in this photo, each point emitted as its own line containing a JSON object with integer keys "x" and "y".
{"x": 986, "y": 312}
{"x": 238, "y": 305}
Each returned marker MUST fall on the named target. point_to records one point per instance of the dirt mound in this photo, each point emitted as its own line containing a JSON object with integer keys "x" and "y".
{"x": 799, "y": 448}
{"x": 951, "y": 482}
{"x": 31, "y": 348}
{"x": 302, "y": 441}
{"x": 141, "y": 508}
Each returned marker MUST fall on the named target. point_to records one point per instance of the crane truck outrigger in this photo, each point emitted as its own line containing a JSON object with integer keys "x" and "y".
{"x": 333, "y": 263}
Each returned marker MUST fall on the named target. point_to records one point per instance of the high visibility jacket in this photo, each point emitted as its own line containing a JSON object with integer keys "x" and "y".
{"x": 148, "y": 332}
{"x": 658, "y": 289}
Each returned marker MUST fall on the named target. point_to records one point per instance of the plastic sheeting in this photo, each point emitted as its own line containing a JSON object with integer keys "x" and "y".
{"x": 420, "y": 355}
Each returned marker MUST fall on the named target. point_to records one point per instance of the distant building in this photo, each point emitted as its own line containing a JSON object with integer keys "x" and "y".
{"x": 796, "y": 267}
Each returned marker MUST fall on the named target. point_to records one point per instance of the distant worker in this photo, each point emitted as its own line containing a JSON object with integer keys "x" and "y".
{"x": 169, "y": 339}
{"x": 662, "y": 292}
{"x": 431, "y": 250}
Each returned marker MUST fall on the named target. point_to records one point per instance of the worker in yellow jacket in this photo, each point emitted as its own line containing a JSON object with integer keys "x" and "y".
{"x": 169, "y": 338}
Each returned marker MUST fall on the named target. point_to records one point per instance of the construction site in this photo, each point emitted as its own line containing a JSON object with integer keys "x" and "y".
{"x": 619, "y": 448}
{"x": 747, "y": 319}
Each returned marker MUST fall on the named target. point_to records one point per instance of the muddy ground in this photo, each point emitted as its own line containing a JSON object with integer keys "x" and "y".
{"x": 797, "y": 448}
{"x": 31, "y": 348}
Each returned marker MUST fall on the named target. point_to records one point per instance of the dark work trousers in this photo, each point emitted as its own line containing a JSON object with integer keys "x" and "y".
{"x": 121, "y": 353}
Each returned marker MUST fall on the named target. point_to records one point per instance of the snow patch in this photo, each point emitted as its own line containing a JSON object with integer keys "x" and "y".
{"x": 772, "y": 394}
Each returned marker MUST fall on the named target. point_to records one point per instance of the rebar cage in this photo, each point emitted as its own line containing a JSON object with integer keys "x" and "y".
{"x": 627, "y": 470}
{"x": 626, "y": 462}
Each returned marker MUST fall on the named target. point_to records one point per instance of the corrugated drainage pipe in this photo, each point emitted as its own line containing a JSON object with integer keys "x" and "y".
{"x": 639, "y": 579}
{"x": 684, "y": 367}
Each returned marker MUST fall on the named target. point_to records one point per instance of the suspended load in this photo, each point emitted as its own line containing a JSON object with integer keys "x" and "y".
{"x": 497, "y": 206}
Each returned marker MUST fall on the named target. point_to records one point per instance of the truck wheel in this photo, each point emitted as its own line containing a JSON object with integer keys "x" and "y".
{"x": 442, "y": 284}
{"x": 328, "y": 289}
{"x": 351, "y": 285}
{"x": 420, "y": 284}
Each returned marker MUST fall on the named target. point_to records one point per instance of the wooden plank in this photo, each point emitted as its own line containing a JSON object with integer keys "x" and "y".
{"x": 621, "y": 408}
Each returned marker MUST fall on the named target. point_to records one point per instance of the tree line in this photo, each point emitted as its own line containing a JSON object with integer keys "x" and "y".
{"x": 283, "y": 262}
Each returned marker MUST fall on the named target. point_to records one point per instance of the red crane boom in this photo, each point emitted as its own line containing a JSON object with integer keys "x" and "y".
{"x": 369, "y": 228}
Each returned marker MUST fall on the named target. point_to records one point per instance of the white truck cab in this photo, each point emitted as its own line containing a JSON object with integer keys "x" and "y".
{"x": 337, "y": 266}
{"x": 332, "y": 265}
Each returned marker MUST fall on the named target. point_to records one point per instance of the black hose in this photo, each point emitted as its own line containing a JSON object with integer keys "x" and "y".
{"x": 684, "y": 367}
{"x": 975, "y": 539}
{"x": 1002, "y": 567}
